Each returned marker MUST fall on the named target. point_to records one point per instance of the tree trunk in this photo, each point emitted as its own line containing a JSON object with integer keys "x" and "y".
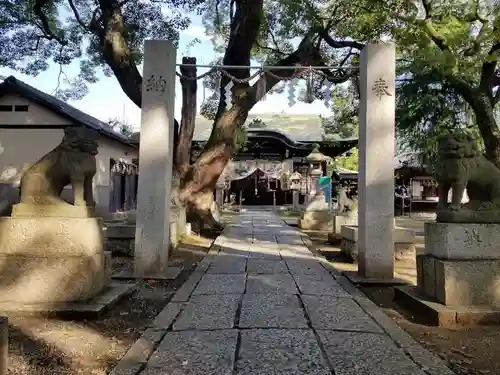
{"x": 182, "y": 154}
{"x": 488, "y": 127}
{"x": 481, "y": 103}
{"x": 199, "y": 180}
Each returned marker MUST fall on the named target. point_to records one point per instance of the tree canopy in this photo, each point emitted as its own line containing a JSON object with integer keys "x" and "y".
{"x": 448, "y": 51}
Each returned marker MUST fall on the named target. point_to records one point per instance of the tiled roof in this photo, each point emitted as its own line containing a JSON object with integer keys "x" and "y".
{"x": 12, "y": 84}
{"x": 299, "y": 128}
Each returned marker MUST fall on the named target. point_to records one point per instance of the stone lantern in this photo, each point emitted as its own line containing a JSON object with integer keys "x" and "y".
{"x": 295, "y": 181}
{"x": 295, "y": 187}
{"x": 219, "y": 190}
{"x": 317, "y": 215}
{"x": 315, "y": 158}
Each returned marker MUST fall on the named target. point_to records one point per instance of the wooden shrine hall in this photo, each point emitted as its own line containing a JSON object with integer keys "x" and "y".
{"x": 254, "y": 175}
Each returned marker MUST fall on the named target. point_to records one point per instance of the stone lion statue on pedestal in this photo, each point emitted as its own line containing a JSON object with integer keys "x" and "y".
{"x": 462, "y": 166}
{"x": 71, "y": 162}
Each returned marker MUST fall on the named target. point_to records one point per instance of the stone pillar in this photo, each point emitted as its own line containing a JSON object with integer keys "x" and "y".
{"x": 219, "y": 193}
{"x": 152, "y": 235}
{"x": 129, "y": 191}
{"x": 179, "y": 216}
{"x": 117, "y": 190}
{"x": 376, "y": 162}
{"x": 295, "y": 201}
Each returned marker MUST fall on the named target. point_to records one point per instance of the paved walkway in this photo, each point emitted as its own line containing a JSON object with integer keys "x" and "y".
{"x": 260, "y": 303}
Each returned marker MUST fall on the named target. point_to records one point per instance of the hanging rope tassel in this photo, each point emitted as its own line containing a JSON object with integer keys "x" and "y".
{"x": 261, "y": 86}
{"x": 328, "y": 94}
{"x": 229, "y": 94}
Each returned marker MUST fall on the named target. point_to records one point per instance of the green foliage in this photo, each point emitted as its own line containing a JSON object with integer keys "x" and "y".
{"x": 344, "y": 122}
{"x": 440, "y": 49}
{"x": 121, "y": 127}
{"x": 257, "y": 123}
{"x": 348, "y": 160}
{"x": 35, "y": 34}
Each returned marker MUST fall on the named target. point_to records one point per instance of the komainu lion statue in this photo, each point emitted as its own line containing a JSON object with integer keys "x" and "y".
{"x": 462, "y": 166}
{"x": 71, "y": 162}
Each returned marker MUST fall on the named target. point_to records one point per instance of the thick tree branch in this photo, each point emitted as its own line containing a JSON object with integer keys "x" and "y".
{"x": 116, "y": 52}
{"x": 188, "y": 119}
{"x": 489, "y": 67}
{"x": 340, "y": 43}
{"x": 203, "y": 174}
{"x": 45, "y": 27}
{"x": 77, "y": 15}
{"x": 306, "y": 54}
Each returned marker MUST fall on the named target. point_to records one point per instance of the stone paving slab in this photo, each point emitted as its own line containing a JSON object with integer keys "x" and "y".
{"x": 353, "y": 353}
{"x": 272, "y": 311}
{"x": 266, "y": 266}
{"x": 265, "y": 255}
{"x": 274, "y": 283}
{"x": 194, "y": 353}
{"x": 292, "y": 255}
{"x": 228, "y": 265}
{"x": 305, "y": 267}
{"x": 328, "y": 312}
{"x": 221, "y": 284}
{"x": 261, "y": 303}
{"x": 325, "y": 286}
{"x": 208, "y": 312}
{"x": 280, "y": 352}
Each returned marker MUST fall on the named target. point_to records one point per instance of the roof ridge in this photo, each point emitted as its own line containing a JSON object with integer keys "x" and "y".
{"x": 62, "y": 107}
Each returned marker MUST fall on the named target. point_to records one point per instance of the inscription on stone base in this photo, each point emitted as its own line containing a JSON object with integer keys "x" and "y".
{"x": 462, "y": 241}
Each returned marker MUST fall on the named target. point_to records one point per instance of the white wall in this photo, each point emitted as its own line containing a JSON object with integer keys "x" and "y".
{"x": 19, "y": 148}
{"x": 36, "y": 115}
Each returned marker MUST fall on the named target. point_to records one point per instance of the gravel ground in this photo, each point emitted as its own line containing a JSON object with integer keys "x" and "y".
{"x": 39, "y": 346}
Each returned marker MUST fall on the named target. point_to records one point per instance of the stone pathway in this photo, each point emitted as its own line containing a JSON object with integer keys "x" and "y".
{"x": 261, "y": 303}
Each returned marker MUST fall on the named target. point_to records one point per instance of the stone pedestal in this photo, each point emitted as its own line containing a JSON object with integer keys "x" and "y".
{"x": 4, "y": 345}
{"x": 458, "y": 277}
{"x": 404, "y": 243}
{"x": 335, "y": 236}
{"x": 120, "y": 239}
{"x": 52, "y": 260}
{"x": 317, "y": 215}
{"x": 219, "y": 196}
{"x": 343, "y": 218}
{"x": 295, "y": 201}
{"x": 376, "y": 161}
{"x": 152, "y": 238}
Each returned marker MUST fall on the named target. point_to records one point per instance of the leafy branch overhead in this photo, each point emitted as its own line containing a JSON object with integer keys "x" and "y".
{"x": 448, "y": 74}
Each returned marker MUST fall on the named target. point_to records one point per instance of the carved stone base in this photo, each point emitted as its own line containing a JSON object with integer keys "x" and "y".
{"x": 335, "y": 236}
{"x": 56, "y": 210}
{"x": 433, "y": 313}
{"x": 462, "y": 241}
{"x": 316, "y": 220}
{"x": 458, "y": 277}
{"x": 52, "y": 260}
{"x": 404, "y": 243}
{"x": 468, "y": 216}
{"x": 460, "y": 282}
{"x": 120, "y": 239}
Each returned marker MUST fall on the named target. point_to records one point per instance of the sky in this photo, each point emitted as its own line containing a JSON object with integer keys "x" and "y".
{"x": 106, "y": 99}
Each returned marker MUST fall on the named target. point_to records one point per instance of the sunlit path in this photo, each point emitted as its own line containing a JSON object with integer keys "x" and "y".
{"x": 262, "y": 303}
